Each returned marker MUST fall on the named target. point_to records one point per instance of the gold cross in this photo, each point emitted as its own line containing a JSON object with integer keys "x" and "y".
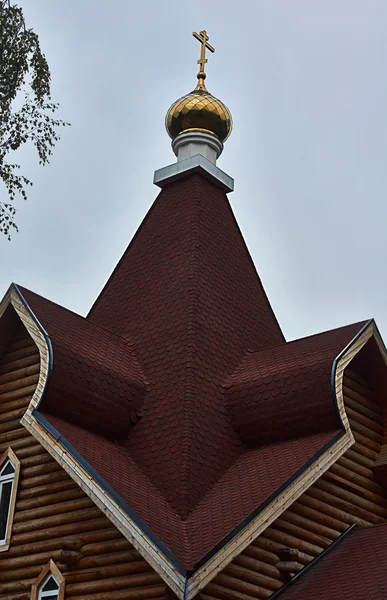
{"x": 203, "y": 39}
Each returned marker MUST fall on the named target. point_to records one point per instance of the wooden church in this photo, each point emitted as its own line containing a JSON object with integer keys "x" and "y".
{"x": 172, "y": 444}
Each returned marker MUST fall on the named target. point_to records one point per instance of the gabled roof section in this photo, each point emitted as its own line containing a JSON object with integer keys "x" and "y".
{"x": 356, "y": 569}
{"x": 286, "y": 392}
{"x": 96, "y": 381}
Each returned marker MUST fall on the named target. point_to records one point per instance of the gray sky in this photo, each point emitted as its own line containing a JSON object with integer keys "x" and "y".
{"x": 306, "y": 83}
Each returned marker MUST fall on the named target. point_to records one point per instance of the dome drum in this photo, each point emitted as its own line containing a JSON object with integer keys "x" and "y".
{"x": 193, "y": 141}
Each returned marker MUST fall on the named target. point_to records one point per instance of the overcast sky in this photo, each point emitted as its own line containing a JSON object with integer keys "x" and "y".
{"x": 306, "y": 82}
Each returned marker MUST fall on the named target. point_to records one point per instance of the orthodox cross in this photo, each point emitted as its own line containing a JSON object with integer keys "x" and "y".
{"x": 203, "y": 39}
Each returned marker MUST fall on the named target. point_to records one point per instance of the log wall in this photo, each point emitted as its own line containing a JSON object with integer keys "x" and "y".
{"x": 54, "y": 519}
{"x": 347, "y": 493}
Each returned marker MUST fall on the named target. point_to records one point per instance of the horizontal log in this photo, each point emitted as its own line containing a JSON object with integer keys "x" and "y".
{"x": 352, "y": 486}
{"x": 22, "y": 562}
{"x": 19, "y": 374}
{"x": 23, "y": 341}
{"x": 51, "y": 510}
{"x": 249, "y": 589}
{"x": 58, "y": 543}
{"x": 10, "y": 426}
{"x": 357, "y": 378}
{"x": 375, "y": 438}
{"x": 24, "y": 393}
{"x": 260, "y": 554}
{"x": 77, "y": 527}
{"x": 16, "y": 587}
{"x": 41, "y": 469}
{"x": 20, "y": 363}
{"x": 62, "y": 519}
{"x": 21, "y": 574}
{"x": 358, "y": 457}
{"x": 36, "y": 459}
{"x": 355, "y": 514}
{"x": 17, "y": 404}
{"x": 130, "y": 581}
{"x": 293, "y": 542}
{"x": 23, "y": 596}
{"x": 15, "y": 355}
{"x": 18, "y": 384}
{"x": 17, "y": 433}
{"x": 310, "y": 525}
{"x": 18, "y": 445}
{"x": 156, "y": 591}
{"x": 206, "y": 596}
{"x": 256, "y": 578}
{"x": 14, "y": 415}
{"x": 372, "y": 447}
{"x": 72, "y": 494}
{"x": 257, "y": 566}
{"x": 33, "y": 449}
{"x": 113, "y": 558}
{"x": 370, "y": 424}
{"x": 339, "y": 492}
{"x": 362, "y": 399}
{"x": 320, "y": 501}
{"x": 273, "y": 546}
{"x": 317, "y": 516}
{"x": 47, "y": 489}
{"x": 137, "y": 566}
{"x": 351, "y": 466}
{"x": 106, "y": 546}
{"x": 362, "y": 446}
{"x": 302, "y": 534}
{"x": 223, "y": 593}
{"x": 34, "y": 482}
{"x": 363, "y": 410}
{"x": 290, "y": 567}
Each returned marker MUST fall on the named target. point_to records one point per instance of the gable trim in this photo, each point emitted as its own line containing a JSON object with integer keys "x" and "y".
{"x": 124, "y": 523}
{"x": 283, "y": 498}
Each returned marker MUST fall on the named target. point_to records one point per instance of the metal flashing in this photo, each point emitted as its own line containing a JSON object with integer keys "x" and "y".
{"x": 194, "y": 164}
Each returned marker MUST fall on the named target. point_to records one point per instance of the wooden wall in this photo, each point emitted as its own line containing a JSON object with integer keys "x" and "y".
{"x": 50, "y": 508}
{"x": 347, "y": 493}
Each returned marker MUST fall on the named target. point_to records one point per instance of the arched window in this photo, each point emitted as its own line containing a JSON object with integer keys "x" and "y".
{"x": 9, "y": 477}
{"x": 50, "y": 584}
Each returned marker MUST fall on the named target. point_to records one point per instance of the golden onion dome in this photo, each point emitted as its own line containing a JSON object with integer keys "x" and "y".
{"x": 199, "y": 111}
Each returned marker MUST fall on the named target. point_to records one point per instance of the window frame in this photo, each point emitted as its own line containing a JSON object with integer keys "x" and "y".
{"x": 10, "y": 456}
{"x": 49, "y": 570}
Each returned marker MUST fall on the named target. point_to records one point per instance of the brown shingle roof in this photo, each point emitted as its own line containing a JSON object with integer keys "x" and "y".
{"x": 356, "y": 569}
{"x": 183, "y": 343}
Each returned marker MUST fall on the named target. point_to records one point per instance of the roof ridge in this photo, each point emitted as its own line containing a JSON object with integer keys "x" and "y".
{"x": 311, "y": 335}
{"x": 75, "y": 314}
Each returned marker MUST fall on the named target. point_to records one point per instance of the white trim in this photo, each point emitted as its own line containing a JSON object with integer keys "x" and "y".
{"x": 194, "y": 164}
{"x": 42, "y": 594}
{"x": 9, "y": 478}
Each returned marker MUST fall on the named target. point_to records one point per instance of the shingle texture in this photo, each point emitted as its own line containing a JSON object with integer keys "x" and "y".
{"x": 355, "y": 570}
{"x": 179, "y": 388}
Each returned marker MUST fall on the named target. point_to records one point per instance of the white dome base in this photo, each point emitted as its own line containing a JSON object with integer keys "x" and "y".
{"x": 191, "y": 143}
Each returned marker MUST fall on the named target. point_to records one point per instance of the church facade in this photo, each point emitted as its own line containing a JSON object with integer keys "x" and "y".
{"x": 172, "y": 444}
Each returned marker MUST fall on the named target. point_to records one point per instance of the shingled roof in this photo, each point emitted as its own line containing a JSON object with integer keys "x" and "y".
{"x": 178, "y": 389}
{"x": 355, "y": 567}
